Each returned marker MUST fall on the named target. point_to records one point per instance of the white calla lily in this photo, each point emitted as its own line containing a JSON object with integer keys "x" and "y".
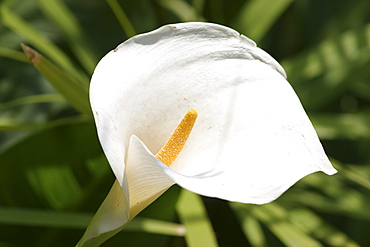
{"x": 252, "y": 139}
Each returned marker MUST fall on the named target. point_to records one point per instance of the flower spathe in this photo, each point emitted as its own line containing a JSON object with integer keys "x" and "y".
{"x": 252, "y": 139}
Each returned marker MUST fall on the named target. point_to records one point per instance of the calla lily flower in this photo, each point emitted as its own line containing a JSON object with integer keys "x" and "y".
{"x": 245, "y": 136}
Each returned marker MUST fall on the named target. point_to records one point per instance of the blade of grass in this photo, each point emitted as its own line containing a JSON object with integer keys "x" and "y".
{"x": 217, "y": 11}
{"x": 140, "y": 224}
{"x": 198, "y": 5}
{"x": 47, "y": 218}
{"x": 13, "y": 54}
{"x": 327, "y": 70}
{"x": 34, "y": 217}
{"x": 69, "y": 25}
{"x": 13, "y": 125}
{"x": 308, "y": 221}
{"x": 332, "y": 53}
{"x": 357, "y": 175}
{"x": 253, "y": 230}
{"x": 74, "y": 92}
{"x": 33, "y": 99}
{"x": 183, "y": 10}
{"x": 335, "y": 126}
{"x": 331, "y": 199}
{"x": 122, "y": 18}
{"x": 193, "y": 215}
{"x": 19, "y": 26}
{"x": 276, "y": 219}
{"x": 258, "y": 16}
{"x": 350, "y": 207}
{"x": 251, "y": 227}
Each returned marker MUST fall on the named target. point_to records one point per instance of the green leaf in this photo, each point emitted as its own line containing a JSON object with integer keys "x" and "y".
{"x": 13, "y": 54}
{"x": 140, "y": 224}
{"x": 48, "y": 218}
{"x": 357, "y": 174}
{"x": 309, "y": 222}
{"x": 347, "y": 125}
{"x": 54, "y": 167}
{"x": 121, "y": 16}
{"x": 74, "y": 92}
{"x": 198, "y": 5}
{"x": 33, "y": 99}
{"x": 184, "y": 11}
{"x": 72, "y": 30}
{"x": 251, "y": 227}
{"x": 193, "y": 215}
{"x": 43, "y": 218}
{"x": 257, "y": 17}
{"x": 330, "y": 200}
{"x": 276, "y": 218}
{"x": 16, "y": 24}
{"x": 14, "y": 125}
{"x": 330, "y": 68}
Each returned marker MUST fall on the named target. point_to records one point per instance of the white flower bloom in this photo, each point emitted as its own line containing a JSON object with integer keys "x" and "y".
{"x": 252, "y": 139}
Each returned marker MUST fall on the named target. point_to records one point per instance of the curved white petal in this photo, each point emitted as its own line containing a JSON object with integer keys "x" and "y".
{"x": 242, "y": 184}
{"x": 252, "y": 132}
{"x": 146, "y": 180}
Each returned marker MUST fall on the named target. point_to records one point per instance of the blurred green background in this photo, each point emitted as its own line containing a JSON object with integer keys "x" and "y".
{"x": 53, "y": 175}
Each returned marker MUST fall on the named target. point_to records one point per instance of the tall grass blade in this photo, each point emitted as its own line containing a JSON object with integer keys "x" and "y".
{"x": 74, "y": 92}
{"x": 257, "y": 17}
{"x": 122, "y": 18}
{"x": 72, "y": 30}
{"x": 183, "y": 10}
{"x": 13, "y": 54}
{"x": 193, "y": 215}
{"x": 48, "y": 218}
{"x": 21, "y": 27}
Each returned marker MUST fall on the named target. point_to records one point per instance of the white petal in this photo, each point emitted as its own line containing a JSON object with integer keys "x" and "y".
{"x": 251, "y": 125}
{"x": 146, "y": 181}
{"x": 146, "y": 85}
{"x": 235, "y": 182}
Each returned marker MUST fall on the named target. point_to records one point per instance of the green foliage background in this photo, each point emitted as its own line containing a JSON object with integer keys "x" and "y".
{"x": 53, "y": 175}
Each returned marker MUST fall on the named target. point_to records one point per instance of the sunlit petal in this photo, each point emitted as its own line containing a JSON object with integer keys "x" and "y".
{"x": 145, "y": 86}
{"x": 236, "y": 181}
{"x": 146, "y": 180}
